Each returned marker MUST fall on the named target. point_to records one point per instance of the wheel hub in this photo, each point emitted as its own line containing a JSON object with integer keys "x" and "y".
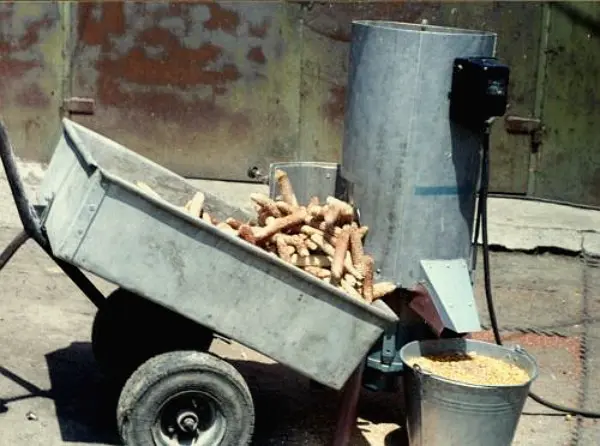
{"x": 187, "y": 421}
{"x": 189, "y": 418}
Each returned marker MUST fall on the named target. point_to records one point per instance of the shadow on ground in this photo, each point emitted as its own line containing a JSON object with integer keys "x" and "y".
{"x": 84, "y": 404}
{"x": 288, "y": 410}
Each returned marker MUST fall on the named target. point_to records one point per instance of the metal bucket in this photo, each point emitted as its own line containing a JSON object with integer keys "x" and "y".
{"x": 444, "y": 412}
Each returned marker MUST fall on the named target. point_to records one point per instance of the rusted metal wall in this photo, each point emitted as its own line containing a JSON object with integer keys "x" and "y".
{"x": 31, "y": 69}
{"x": 207, "y": 90}
{"x": 211, "y": 89}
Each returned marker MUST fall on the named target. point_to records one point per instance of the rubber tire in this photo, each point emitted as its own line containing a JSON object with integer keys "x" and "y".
{"x": 164, "y": 376}
{"x": 128, "y": 330}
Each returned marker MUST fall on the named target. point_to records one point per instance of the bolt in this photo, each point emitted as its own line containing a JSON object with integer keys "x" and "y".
{"x": 254, "y": 172}
{"x": 188, "y": 424}
{"x": 187, "y": 421}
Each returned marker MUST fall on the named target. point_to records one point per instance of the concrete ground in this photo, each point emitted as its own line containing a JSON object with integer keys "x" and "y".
{"x": 51, "y": 393}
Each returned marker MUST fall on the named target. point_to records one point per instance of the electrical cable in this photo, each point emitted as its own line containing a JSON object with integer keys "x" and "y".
{"x": 476, "y": 231}
{"x": 482, "y": 210}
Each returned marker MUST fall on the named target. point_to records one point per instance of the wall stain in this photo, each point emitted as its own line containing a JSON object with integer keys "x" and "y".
{"x": 256, "y": 55}
{"x": 32, "y": 96}
{"x": 28, "y": 39}
{"x": 259, "y": 31}
{"x": 197, "y": 115}
{"x": 98, "y": 32}
{"x": 192, "y": 67}
{"x": 11, "y": 64}
{"x": 222, "y": 19}
{"x": 18, "y": 56}
{"x": 134, "y": 70}
{"x": 17, "y": 68}
{"x": 334, "y": 107}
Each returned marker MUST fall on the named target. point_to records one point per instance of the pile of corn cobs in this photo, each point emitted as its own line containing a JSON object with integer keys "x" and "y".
{"x": 323, "y": 239}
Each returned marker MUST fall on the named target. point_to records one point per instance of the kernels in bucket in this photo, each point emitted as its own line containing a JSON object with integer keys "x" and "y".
{"x": 473, "y": 369}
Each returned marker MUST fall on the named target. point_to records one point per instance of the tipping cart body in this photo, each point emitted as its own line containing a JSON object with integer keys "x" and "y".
{"x": 98, "y": 220}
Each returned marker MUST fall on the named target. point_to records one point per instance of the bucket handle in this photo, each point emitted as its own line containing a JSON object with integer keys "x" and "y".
{"x": 521, "y": 351}
{"x": 420, "y": 372}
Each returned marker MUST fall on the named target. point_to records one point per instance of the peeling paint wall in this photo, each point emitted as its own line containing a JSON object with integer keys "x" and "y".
{"x": 31, "y": 66}
{"x": 211, "y": 89}
{"x": 207, "y": 90}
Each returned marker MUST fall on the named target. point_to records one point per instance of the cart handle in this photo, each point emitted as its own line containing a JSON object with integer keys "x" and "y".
{"x": 27, "y": 214}
{"x": 33, "y": 226}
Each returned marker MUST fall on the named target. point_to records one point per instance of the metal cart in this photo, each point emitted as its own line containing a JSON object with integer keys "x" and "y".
{"x": 181, "y": 281}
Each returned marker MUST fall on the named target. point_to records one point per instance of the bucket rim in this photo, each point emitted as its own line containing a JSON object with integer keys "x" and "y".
{"x": 516, "y": 349}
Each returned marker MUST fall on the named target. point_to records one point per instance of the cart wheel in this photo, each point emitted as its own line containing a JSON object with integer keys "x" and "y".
{"x": 185, "y": 398}
{"x": 129, "y": 329}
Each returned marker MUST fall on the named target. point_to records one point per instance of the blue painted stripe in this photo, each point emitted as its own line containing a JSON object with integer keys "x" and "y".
{"x": 441, "y": 190}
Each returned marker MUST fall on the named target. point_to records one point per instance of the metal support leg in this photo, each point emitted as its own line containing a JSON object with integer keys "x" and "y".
{"x": 82, "y": 282}
{"x": 348, "y": 408}
{"x": 12, "y": 248}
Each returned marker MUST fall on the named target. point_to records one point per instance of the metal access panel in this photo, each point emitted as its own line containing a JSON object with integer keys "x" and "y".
{"x": 31, "y": 64}
{"x": 568, "y": 162}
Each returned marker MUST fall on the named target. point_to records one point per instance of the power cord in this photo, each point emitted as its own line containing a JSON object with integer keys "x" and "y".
{"x": 482, "y": 213}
